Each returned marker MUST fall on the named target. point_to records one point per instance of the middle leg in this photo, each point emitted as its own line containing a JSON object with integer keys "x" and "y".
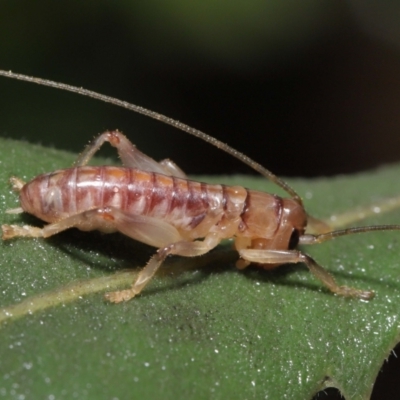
{"x": 182, "y": 248}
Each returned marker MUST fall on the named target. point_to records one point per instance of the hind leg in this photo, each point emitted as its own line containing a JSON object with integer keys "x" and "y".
{"x": 129, "y": 154}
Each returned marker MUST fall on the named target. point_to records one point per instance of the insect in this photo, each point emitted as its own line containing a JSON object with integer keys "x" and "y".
{"x": 155, "y": 203}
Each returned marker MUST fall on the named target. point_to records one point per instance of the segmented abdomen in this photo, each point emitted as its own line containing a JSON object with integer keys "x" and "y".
{"x": 183, "y": 203}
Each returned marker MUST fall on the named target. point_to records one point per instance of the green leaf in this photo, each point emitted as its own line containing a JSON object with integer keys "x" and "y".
{"x": 201, "y": 329}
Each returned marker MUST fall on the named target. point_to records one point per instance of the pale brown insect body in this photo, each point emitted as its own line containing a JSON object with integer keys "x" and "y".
{"x": 184, "y": 204}
{"x": 193, "y": 208}
{"x": 155, "y": 203}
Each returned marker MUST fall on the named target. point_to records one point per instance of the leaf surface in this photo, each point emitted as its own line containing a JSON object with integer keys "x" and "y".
{"x": 201, "y": 329}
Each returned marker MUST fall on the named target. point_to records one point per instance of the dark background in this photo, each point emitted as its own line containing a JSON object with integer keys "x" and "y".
{"x": 306, "y": 88}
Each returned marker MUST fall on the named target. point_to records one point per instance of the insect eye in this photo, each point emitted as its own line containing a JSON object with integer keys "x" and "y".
{"x": 294, "y": 239}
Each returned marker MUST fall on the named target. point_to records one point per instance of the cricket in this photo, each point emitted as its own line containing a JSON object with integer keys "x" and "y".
{"x": 157, "y": 204}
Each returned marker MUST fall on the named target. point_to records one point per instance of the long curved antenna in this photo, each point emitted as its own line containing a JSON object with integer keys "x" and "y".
{"x": 160, "y": 117}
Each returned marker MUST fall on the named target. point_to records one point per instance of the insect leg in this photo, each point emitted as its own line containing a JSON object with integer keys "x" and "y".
{"x": 182, "y": 248}
{"x": 294, "y": 256}
{"x": 87, "y": 220}
{"x": 129, "y": 154}
{"x": 148, "y": 230}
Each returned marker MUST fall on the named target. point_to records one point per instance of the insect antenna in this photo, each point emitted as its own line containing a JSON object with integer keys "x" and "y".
{"x": 323, "y": 237}
{"x": 160, "y": 117}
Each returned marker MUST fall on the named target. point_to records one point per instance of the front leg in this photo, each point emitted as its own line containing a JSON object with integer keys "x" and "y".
{"x": 294, "y": 256}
